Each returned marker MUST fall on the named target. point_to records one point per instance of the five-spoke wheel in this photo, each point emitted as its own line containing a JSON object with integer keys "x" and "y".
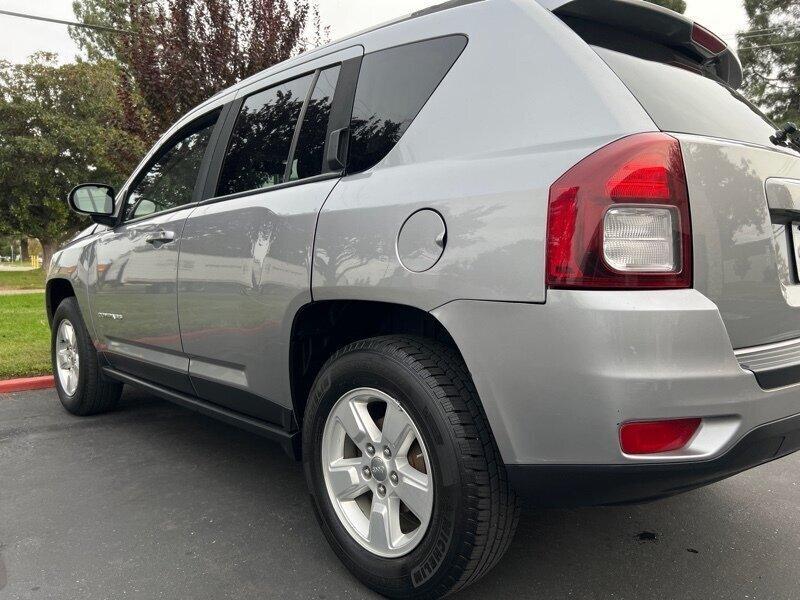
{"x": 67, "y": 357}
{"x": 377, "y": 472}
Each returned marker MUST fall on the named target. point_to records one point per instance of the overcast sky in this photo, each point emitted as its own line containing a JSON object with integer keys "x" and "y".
{"x": 21, "y": 37}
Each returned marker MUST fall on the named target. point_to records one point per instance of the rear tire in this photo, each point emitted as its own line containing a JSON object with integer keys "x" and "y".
{"x": 81, "y": 386}
{"x": 475, "y": 510}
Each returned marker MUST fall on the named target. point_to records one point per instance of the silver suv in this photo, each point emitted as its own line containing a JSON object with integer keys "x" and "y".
{"x": 496, "y": 249}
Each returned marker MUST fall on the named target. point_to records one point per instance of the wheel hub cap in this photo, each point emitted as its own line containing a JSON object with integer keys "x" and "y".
{"x": 383, "y": 500}
{"x": 378, "y": 469}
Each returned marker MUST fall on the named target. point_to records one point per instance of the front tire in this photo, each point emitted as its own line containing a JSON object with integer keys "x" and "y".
{"x": 81, "y": 386}
{"x": 415, "y": 418}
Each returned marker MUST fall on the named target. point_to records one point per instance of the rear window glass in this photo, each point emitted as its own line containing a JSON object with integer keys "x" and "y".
{"x": 393, "y": 86}
{"x": 683, "y": 101}
{"x": 307, "y": 160}
{"x": 262, "y": 137}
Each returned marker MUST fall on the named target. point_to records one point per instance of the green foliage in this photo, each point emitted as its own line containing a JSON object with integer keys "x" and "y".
{"x": 24, "y": 336}
{"x": 676, "y": 5}
{"x": 770, "y": 53}
{"x": 60, "y": 125}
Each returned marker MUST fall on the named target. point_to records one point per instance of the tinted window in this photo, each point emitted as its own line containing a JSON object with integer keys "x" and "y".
{"x": 262, "y": 137}
{"x": 393, "y": 87}
{"x": 311, "y": 141}
{"x": 684, "y": 101}
{"x": 170, "y": 181}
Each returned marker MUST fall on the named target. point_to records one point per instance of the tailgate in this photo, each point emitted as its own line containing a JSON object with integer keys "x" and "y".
{"x": 745, "y": 206}
{"x": 744, "y": 186}
{"x": 744, "y": 250}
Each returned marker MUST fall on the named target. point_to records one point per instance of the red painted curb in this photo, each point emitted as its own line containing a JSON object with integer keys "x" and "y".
{"x": 26, "y": 383}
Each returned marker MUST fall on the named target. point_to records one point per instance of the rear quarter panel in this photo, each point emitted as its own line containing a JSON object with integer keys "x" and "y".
{"x": 526, "y": 100}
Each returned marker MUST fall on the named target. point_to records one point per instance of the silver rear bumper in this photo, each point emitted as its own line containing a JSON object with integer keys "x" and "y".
{"x": 557, "y": 379}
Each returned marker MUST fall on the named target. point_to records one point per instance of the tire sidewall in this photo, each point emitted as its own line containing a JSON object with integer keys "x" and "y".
{"x": 421, "y": 569}
{"x": 68, "y": 310}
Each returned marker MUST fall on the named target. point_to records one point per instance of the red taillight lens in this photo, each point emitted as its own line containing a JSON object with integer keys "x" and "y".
{"x": 705, "y": 39}
{"x": 619, "y": 219}
{"x": 654, "y": 437}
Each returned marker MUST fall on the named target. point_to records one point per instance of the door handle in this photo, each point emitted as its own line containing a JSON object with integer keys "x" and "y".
{"x": 160, "y": 238}
{"x": 336, "y": 149}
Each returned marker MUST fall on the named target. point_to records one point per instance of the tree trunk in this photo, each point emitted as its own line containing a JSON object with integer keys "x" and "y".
{"x": 48, "y": 249}
{"x": 24, "y": 251}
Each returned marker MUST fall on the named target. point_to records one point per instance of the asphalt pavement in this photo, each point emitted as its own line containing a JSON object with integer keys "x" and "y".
{"x": 154, "y": 501}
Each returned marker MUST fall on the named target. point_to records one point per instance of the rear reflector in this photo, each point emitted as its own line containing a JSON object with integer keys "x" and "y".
{"x": 654, "y": 437}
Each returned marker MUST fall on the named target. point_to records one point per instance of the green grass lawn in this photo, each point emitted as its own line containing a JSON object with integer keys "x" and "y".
{"x": 24, "y": 336}
{"x": 22, "y": 280}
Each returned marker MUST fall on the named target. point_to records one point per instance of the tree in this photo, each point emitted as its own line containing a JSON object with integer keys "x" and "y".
{"x": 181, "y": 52}
{"x": 676, "y": 5}
{"x": 770, "y": 53}
{"x": 59, "y": 126}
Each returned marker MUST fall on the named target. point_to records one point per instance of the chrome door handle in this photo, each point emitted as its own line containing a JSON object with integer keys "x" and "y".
{"x": 160, "y": 238}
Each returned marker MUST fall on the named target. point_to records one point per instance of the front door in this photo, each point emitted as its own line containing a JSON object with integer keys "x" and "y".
{"x": 134, "y": 298}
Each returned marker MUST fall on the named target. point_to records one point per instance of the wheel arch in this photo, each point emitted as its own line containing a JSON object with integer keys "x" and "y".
{"x": 56, "y": 291}
{"x": 321, "y": 328}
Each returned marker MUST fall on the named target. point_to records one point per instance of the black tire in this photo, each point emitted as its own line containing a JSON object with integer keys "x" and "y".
{"x": 475, "y": 510}
{"x": 94, "y": 393}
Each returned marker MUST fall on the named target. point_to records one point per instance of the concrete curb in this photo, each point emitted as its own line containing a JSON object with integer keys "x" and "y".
{"x": 26, "y": 384}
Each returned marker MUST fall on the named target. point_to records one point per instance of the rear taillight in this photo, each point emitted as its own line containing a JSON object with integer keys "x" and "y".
{"x": 655, "y": 437}
{"x": 619, "y": 219}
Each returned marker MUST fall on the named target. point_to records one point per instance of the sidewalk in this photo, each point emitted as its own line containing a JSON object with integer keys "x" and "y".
{"x": 20, "y": 292}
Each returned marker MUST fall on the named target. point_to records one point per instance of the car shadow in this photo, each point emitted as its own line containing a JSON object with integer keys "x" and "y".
{"x": 726, "y": 540}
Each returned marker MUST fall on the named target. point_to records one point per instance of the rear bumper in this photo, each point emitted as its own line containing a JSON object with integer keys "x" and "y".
{"x": 556, "y": 380}
{"x": 593, "y": 485}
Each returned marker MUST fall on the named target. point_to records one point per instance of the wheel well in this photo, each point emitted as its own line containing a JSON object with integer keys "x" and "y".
{"x": 322, "y": 328}
{"x": 57, "y": 291}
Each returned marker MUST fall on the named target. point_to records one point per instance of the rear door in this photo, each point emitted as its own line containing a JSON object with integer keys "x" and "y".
{"x": 245, "y": 264}
{"x": 134, "y": 296}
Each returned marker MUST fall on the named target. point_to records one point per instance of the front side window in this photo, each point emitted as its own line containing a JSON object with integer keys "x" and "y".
{"x": 170, "y": 181}
{"x": 262, "y": 137}
{"x": 393, "y": 86}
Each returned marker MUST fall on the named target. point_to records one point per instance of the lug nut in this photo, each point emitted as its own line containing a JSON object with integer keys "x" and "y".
{"x": 381, "y": 489}
{"x": 367, "y": 472}
{"x": 370, "y": 449}
{"x": 386, "y": 452}
{"x": 393, "y": 478}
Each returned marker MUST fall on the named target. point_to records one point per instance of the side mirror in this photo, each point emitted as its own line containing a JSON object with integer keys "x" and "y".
{"x": 95, "y": 200}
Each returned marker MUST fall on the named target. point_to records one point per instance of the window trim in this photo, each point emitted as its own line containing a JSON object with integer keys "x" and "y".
{"x": 277, "y": 187}
{"x": 195, "y": 124}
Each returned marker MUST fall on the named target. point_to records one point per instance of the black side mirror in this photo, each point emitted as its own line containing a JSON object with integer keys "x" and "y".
{"x": 95, "y": 200}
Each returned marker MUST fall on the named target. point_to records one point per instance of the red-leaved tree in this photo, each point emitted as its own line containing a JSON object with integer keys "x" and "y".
{"x": 177, "y": 53}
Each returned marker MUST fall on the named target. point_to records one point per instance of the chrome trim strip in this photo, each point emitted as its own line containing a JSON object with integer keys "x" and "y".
{"x": 770, "y": 356}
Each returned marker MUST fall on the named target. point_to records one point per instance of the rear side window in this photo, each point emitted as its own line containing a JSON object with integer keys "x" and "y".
{"x": 685, "y": 101}
{"x": 393, "y": 86}
{"x": 307, "y": 160}
{"x": 262, "y": 137}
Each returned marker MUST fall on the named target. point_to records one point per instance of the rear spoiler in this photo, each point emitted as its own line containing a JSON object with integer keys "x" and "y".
{"x": 660, "y": 25}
